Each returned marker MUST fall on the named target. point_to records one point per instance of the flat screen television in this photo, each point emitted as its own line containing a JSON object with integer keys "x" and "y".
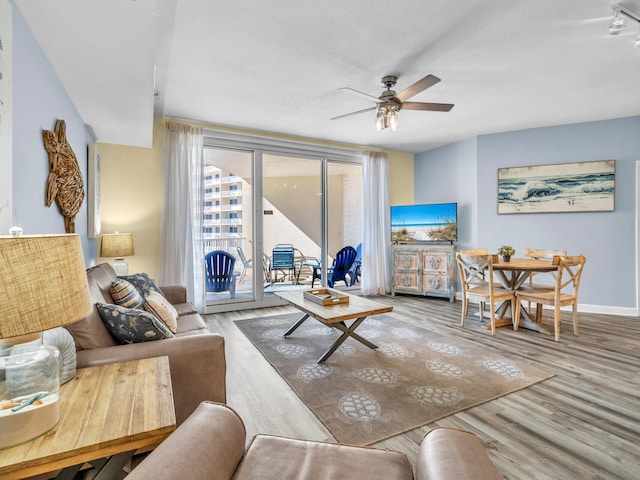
{"x": 434, "y": 222}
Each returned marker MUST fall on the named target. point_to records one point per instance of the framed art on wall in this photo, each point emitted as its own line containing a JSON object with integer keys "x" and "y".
{"x": 93, "y": 192}
{"x": 564, "y": 187}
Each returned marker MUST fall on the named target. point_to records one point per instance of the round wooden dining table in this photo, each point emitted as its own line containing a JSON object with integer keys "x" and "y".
{"x": 512, "y": 275}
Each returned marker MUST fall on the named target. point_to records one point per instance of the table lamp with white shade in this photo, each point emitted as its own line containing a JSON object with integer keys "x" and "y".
{"x": 118, "y": 245}
{"x": 43, "y": 285}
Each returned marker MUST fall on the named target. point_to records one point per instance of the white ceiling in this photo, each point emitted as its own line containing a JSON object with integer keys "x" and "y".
{"x": 277, "y": 65}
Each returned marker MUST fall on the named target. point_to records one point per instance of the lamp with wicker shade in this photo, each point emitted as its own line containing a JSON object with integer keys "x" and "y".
{"x": 43, "y": 285}
{"x": 118, "y": 245}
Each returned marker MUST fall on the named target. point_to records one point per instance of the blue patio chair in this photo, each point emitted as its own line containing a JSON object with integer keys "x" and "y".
{"x": 220, "y": 276}
{"x": 354, "y": 271}
{"x": 339, "y": 269}
{"x": 246, "y": 264}
{"x": 282, "y": 258}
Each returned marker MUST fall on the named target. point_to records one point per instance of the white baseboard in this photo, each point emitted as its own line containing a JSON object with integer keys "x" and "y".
{"x": 608, "y": 310}
{"x": 601, "y": 309}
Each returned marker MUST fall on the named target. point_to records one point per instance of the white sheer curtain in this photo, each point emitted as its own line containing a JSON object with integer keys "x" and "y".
{"x": 376, "y": 244}
{"x": 181, "y": 249}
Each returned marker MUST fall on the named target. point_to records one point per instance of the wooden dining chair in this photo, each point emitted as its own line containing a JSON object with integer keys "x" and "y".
{"x": 563, "y": 294}
{"x": 547, "y": 256}
{"x": 477, "y": 251}
{"x": 479, "y": 287}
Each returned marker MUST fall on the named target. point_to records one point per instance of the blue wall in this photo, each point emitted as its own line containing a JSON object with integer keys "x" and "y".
{"x": 450, "y": 175}
{"x": 39, "y": 99}
{"x": 607, "y": 239}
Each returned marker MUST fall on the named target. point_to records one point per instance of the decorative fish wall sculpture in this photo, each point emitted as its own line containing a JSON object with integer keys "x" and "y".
{"x": 64, "y": 183}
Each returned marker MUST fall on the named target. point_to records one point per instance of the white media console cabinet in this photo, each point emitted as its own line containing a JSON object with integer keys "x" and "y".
{"x": 424, "y": 269}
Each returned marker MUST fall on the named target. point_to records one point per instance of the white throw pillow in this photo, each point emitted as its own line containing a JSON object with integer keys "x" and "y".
{"x": 162, "y": 309}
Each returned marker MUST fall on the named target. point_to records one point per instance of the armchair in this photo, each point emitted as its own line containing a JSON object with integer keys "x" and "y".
{"x": 355, "y": 270}
{"x": 339, "y": 269}
{"x": 210, "y": 445}
{"x": 220, "y": 276}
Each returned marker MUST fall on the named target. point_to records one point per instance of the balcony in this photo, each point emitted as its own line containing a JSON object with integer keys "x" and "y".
{"x": 223, "y": 194}
{"x": 211, "y": 180}
{"x": 231, "y": 193}
{"x": 218, "y": 222}
{"x": 230, "y": 179}
{"x": 222, "y": 208}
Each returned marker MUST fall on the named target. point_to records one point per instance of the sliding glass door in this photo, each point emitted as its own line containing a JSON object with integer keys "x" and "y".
{"x": 344, "y": 225}
{"x": 292, "y": 220}
{"x": 281, "y": 213}
{"x": 228, "y": 223}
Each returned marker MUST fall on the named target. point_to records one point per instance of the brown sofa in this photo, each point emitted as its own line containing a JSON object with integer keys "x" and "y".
{"x": 210, "y": 445}
{"x": 196, "y": 357}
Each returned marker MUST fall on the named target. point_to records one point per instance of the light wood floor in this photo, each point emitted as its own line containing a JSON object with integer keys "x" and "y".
{"x": 584, "y": 423}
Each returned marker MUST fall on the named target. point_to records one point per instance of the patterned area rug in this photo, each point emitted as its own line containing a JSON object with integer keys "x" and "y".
{"x": 414, "y": 377}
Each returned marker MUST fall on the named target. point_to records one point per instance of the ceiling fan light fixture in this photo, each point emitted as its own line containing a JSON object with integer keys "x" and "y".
{"x": 617, "y": 24}
{"x": 621, "y": 12}
{"x": 387, "y": 117}
{"x": 390, "y": 103}
{"x": 392, "y": 116}
{"x": 381, "y": 120}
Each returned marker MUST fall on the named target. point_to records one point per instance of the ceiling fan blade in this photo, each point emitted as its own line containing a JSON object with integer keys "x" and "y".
{"x": 365, "y": 95}
{"x": 354, "y": 113}
{"x": 433, "y": 107}
{"x": 417, "y": 87}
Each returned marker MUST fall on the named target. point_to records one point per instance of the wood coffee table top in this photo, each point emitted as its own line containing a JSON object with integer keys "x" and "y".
{"x": 356, "y": 308}
{"x": 335, "y": 315}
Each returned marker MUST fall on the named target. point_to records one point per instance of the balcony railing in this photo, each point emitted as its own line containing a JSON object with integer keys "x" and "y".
{"x": 228, "y": 244}
{"x": 214, "y": 222}
{"x": 222, "y": 180}
{"x": 222, "y": 208}
{"x": 223, "y": 194}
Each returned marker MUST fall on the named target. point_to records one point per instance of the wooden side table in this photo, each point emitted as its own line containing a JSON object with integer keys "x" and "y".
{"x": 107, "y": 413}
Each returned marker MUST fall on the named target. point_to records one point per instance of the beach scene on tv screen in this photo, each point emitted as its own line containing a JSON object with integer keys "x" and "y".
{"x": 424, "y": 223}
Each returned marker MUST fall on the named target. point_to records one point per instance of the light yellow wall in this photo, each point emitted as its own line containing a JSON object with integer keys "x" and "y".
{"x": 132, "y": 198}
{"x": 401, "y": 178}
{"x": 132, "y": 192}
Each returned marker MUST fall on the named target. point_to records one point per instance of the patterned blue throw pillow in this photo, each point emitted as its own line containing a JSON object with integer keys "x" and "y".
{"x": 130, "y": 325}
{"x": 143, "y": 283}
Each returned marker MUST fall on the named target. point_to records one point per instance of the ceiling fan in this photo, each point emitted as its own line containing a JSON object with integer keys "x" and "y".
{"x": 390, "y": 102}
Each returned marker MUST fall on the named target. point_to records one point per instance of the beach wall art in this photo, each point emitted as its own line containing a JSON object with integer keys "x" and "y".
{"x": 564, "y": 187}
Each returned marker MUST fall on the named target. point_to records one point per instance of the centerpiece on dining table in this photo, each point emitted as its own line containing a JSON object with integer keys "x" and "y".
{"x": 506, "y": 251}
